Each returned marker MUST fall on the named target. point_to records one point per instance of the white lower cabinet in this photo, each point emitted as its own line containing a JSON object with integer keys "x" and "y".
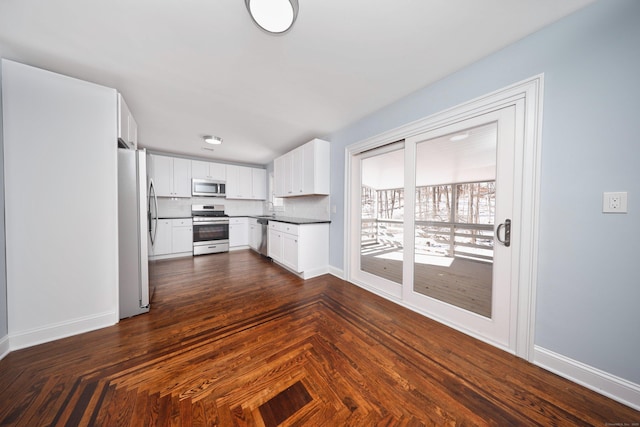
{"x": 290, "y": 251}
{"x": 274, "y": 248}
{"x": 238, "y": 233}
{"x": 162, "y": 244}
{"x": 303, "y": 248}
{"x": 181, "y": 236}
{"x": 173, "y": 238}
{"x": 255, "y": 234}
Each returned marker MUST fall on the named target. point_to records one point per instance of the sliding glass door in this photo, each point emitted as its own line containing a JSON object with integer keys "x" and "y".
{"x": 455, "y": 216}
{"x": 432, "y": 219}
{"x": 380, "y": 213}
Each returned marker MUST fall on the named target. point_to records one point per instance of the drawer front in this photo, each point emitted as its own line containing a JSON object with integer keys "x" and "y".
{"x": 181, "y": 222}
{"x": 289, "y": 228}
{"x": 284, "y": 227}
{"x": 238, "y": 220}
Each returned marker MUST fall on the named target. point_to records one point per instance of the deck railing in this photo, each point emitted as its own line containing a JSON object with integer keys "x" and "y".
{"x": 473, "y": 241}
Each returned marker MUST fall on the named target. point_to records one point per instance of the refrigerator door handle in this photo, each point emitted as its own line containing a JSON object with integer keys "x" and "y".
{"x": 152, "y": 191}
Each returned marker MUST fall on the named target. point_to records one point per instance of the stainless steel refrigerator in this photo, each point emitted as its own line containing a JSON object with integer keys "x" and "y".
{"x": 135, "y": 293}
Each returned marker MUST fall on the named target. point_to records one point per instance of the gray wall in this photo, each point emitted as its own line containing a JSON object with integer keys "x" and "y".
{"x": 588, "y": 280}
{"x": 66, "y": 283}
{"x": 4, "y": 329}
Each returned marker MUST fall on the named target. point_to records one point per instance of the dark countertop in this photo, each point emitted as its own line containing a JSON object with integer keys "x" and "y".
{"x": 293, "y": 220}
{"x": 287, "y": 219}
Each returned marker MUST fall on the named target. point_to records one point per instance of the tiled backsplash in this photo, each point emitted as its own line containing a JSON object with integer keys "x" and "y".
{"x": 315, "y": 207}
{"x": 168, "y": 207}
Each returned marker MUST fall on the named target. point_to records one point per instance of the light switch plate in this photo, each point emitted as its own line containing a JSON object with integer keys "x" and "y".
{"x": 614, "y": 202}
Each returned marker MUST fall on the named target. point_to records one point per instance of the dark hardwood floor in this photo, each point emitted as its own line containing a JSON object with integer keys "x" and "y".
{"x": 233, "y": 339}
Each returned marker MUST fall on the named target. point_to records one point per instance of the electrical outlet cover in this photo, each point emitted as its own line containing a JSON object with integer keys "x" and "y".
{"x": 614, "y": 202}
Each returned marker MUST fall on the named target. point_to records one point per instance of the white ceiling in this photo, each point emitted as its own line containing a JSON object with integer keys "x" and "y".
{"x": 440, "y": 160}
{"x": 189, "y": 68}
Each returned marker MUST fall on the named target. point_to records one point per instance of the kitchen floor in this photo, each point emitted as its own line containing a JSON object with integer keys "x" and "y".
{"x": 233, "y": 339}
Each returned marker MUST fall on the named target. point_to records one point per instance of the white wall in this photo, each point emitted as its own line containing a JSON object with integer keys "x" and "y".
{"x": 60, "y": 169}
{"x": 588, "y": 273}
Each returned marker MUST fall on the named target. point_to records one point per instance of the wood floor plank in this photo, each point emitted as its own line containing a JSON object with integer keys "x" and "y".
{"x": 229, "y": 332}
{"x": 465, "y": 283}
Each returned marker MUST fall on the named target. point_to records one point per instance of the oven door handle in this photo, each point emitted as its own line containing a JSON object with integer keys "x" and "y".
{"x": 210, "y": 222}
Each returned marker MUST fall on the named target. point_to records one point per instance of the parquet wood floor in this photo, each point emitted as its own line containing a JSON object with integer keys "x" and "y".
{"x": 234, "y": 340}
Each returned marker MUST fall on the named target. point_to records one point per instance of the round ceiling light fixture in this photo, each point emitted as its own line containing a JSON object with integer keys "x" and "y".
{"x": 215, "y": 140}
{"x": 273, "y": 16}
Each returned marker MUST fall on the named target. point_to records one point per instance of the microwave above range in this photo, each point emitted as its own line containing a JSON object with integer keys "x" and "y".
{"x": 207, "y": 188}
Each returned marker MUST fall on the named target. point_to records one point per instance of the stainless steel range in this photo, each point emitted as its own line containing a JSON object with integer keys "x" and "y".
{"x": 210, "y": 229}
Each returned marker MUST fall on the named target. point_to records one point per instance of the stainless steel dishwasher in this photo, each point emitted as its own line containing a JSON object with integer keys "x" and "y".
{"x": 263, "y": 248}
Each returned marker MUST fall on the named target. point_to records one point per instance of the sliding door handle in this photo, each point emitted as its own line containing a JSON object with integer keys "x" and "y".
{"x": 507, "y": 233}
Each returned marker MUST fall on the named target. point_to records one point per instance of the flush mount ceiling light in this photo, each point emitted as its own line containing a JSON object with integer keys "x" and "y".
{"x": 215, "y": 140}
{"x": 273, "y": 16}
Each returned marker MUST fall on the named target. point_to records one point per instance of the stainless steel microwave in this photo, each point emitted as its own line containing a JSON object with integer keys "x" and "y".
{"x": 207, "y": 188}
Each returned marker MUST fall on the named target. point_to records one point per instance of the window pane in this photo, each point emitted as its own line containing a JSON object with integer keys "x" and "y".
{"x": 454, "y": 218}
{"x": 382, "y": 215}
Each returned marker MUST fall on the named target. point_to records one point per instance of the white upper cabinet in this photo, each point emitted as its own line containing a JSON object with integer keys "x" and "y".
{"x": 279, "y": 176}
{"x": 259, "y": 183}
{"x": 160, "y": 169}
{"x": 171, "y": 176}
{"x": 238, "y": 182}
{"x": 199, "y": 170}
{"x": 304, "y": 171}
{"x": 316, "y": 171}
{"x": 127, "y": 126}
{"x": 208, "y": 170}
{"x": 295, "y": 186}
{"x": 218, "y": 171}
{"x": 182, "y": 177}
{"x": 246, "y": 183}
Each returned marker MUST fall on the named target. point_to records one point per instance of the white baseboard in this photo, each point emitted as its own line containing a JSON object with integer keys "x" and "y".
{"x": 616, "y": 388}
{"x": 61, "y": 330}
{"x": 314, "y": 273}
{"x": 169, "y": 256}
{"x": 339, "y": 273}
{"x": 307, "y": 274}
{"x": 4, "y": 346}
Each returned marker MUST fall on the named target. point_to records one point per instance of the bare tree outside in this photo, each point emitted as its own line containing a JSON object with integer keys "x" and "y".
{"x": 451, "y": 219}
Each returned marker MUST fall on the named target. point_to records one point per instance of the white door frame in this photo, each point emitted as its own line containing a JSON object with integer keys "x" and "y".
{"x": 529, "y": 92}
